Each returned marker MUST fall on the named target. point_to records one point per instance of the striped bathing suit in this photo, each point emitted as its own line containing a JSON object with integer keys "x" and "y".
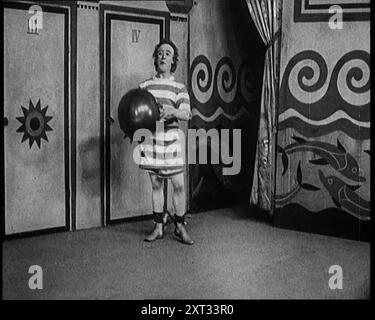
{"x": 164, "y": 153}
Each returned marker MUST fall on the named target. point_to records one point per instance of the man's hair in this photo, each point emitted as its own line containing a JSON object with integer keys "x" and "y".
{"x": 175, "y": 53}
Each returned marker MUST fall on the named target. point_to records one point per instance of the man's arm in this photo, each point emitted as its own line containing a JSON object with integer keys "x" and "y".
{"x": 183, "y": 111}
{"x": 170, "y": 112}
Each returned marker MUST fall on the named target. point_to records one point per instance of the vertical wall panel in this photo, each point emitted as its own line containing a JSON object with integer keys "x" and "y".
{"x": 324, "y": 120}
{"x": 35, "y": 103}
{"x": 225, "y": 77}
{"x": 89, "y": 209}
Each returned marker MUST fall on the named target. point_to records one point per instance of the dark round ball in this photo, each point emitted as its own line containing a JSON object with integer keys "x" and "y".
{"x": 138, "y": 109}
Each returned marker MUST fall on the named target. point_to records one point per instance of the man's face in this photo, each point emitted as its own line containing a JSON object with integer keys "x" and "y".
{"x": 164, "y": 58}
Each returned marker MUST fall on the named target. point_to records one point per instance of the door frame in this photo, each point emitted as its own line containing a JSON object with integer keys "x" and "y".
{"x": 107, "y": 13}
{"x": 69, "y": 10}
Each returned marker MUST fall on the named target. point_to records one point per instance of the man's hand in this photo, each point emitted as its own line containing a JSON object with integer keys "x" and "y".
{"x": 167, "y": 112}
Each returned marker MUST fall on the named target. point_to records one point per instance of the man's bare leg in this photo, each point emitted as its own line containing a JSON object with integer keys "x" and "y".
{"x": 158, "y": 206}
{"x": 179, "y": 201}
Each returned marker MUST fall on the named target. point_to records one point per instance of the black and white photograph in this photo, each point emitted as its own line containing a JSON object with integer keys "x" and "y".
{"x": 186, "y": 150}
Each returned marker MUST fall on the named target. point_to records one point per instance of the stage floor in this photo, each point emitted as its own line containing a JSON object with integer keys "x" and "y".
{"x": 235, "y": 256}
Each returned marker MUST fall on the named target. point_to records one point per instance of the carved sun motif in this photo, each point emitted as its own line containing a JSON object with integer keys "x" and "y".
{"x": 34, "y": 124}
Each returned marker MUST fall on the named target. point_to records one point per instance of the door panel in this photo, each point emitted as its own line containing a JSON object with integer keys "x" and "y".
{"x": 132, "y": 42}
{"x": 34, "y": 139}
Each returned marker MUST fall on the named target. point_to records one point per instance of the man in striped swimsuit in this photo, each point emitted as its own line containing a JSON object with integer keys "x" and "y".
{"x": 165, "y": 157}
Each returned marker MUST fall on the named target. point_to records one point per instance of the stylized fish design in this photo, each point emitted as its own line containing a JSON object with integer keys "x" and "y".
{"x": 285, "y": 198}
{"x": 344, "y": 197}
{"x": 335, "y": 156}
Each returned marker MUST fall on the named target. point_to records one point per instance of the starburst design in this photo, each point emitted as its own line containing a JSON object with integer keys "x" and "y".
{"x": 34, "y": 124}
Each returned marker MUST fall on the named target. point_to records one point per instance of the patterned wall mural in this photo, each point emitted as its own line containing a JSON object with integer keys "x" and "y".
{"x": 323, "y": 162}
{"x": 316, "y": 103}
{"x": 225, "y": 77}
{"x": 222, "y": 97}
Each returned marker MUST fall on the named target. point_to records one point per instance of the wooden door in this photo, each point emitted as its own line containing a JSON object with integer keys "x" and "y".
{"x": 130, "y": 40}
{"x": 36, "y": 177}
